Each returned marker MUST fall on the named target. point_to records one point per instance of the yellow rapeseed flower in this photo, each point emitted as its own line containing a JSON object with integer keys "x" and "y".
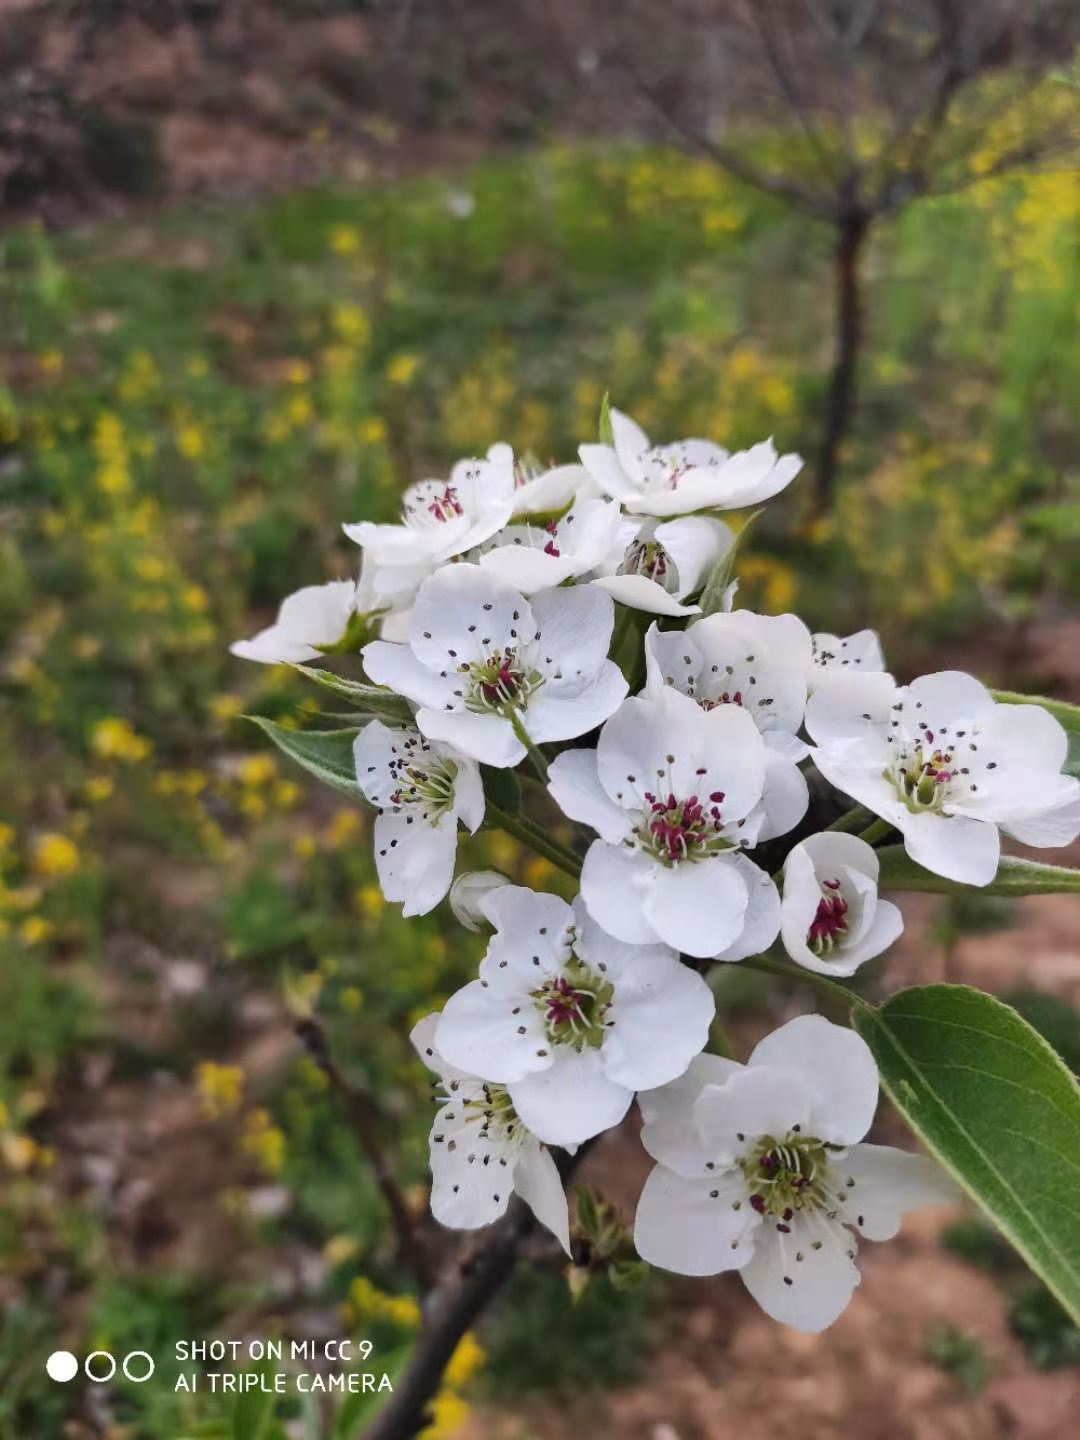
{"x": 402, "y": 368}
{"x": 55, "y": 855}
{"x": 219, "y": 1088}
{"x": 114, "y": 739}
{"x": 465, "y": 1361}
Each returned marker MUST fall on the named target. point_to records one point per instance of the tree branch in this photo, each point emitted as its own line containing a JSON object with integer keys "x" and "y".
{"x": 452, "y": 1309}
{"x": 363, "y": 1116}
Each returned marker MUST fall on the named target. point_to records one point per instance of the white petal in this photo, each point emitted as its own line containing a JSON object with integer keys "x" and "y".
{"x": 575, "y": 625}
{"x": 753, "y": 1101}
{"x": 785, "y": 797}
{"x": 603, "y": 466}
{"x": 398, "y": 668}
{"x": 697, "y": 907}
{"x": 466, "y": 1193}
{"x": 669, "y": 1134}
{"x": 563, "y": 712}
{"x": 526, "y": 568}
{"x": 572, "y": 1100}
{"x": 479, "y": 1034}
{"x": 955, "y": 846}
{"x": 638, "y": 592}
{"x": 886, "y": 929}
{"x": 630, "y": 440}
{"x": 808, "y": 1293}
{"x": 838, "y": 1071}
{"x": 691, "y": 1227}
{"x": 889, "y": 1183}
{"x": 1054, "y": 828}
{"x": 661, "y": 1015}
{"x": 316, "y": 615}
{"x": 469, "y": 802}
{"x": 695, "y": 543}
{"x": 415, "y": 861}
{"x": 672, "y": 658}
{"x": 761, "y": 919}
{"x": 487, "y": 738}
{"x": 464, "y": 614}
{"x": 423, "y": 1040}
{"x": 614, "y": 883}
{"x": 851, "y": 705}
{"x": 950, "y": 695}
{"x": 576, "y": 789}
{"x": 537, "y": 1181}
{"x": 532, "y": 939}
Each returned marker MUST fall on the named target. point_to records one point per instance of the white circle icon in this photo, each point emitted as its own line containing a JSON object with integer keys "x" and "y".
{"x": 142, "y": 1355}
{"x": 61, "y": 1366}
{"x": 99, "y": 1379}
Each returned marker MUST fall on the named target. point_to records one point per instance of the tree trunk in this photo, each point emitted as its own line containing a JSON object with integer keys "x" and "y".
{"x": 852, "y": 230}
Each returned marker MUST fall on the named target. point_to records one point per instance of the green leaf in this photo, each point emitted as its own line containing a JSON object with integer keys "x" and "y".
{"x": 368, "y": 699}
{"x": 328, "y": 754}
{"x": 253, "y": 1410}
{"x": 604, "y": 429}
{"x": 1014, "y": 877}
{"x": 357, "y": 1409}
{"x": 994, "y": 1103}
{"x": 723, "y": 572}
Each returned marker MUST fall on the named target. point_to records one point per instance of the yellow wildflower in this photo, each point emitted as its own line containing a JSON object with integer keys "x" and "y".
{"x": 369, "y": 901}
{"x": 219, "y": 1088}
{"x": 55, "y": 855}
{"x": 115, "y": 739}
{"x": 465, "y": 1361}
{"x": 402, "y": 368}
{"x": 344, "y": 240}
{"x": 34, "y": 930}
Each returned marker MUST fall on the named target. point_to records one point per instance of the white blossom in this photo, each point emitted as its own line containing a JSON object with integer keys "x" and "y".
{"x": 834, "y": 653}
{"x": 308, "y": 621}
{"x": 948, "y": 767}
{"x": 759, "y": 663}
{"x": 468, "y": 891}
{"x": 539, "y": 557}
{"x": 691, "y": 475}
{"x": 665, "y": 563}
{"x": 444, "y": 518}
{"x": 831, "y": 917}
{"x": 674, "y": 792}
{"x": 481, "y": 1152}
{"x": 421, "y": 789}
{"x": 550, "y": 492}
{"x": 760, "y": 1170}
{"x": 569, "y": 1019}
{"x": 483, "y": 663}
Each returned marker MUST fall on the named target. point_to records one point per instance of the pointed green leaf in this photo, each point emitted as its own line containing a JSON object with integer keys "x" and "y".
{"x": 253, "y": 1410}
{"x": 723, "y": 572}
{"x": 327, "y": 754}
{"x": 1014, "y": 876}
{"x": 369, "y": 699}
{"x": 992, "y": 1101}
{"x": 606, "y": 433}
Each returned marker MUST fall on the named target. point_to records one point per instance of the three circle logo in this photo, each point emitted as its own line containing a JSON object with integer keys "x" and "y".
{"x": 99, "y": 1366}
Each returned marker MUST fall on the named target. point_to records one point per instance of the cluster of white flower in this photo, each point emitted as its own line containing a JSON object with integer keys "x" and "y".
{"x": 495, "y": 603}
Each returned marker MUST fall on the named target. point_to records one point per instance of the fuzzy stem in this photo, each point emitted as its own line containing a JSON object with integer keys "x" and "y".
{"x": 852, "y": 819}
{"x": 773, "y": 965}
{"x": 536, "y": 755}
{"x": 529, "y": 833}
{"x": 875, "y": 832}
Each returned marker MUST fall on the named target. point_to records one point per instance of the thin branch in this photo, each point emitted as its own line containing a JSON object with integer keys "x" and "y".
{"x": 529, "y": 833}
{"x": 730, "y": 160}
{"x": 452, "y": 1309}
{"x": 790, "y": 91}
{"x": 364, "y": 1118}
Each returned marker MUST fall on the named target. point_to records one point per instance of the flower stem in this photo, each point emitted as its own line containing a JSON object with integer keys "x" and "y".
{"x": 852, "y": 819}
{"x": 773, "y": 965}
{"x": 875, "y": 832}
{"x": 530, "y": 833}
{"x": 719, "y": 1042}
{"x": 536, "y": 755}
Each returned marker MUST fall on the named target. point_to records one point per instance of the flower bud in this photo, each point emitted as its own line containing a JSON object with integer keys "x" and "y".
{"x": 467, "y": 894}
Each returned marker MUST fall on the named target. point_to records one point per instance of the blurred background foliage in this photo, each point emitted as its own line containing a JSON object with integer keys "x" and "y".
{"x": 191, "y": 402}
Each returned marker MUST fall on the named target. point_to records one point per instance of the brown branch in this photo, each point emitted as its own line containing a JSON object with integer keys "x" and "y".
{"x": 452, "y": 1309}
{"x": 730, "y": 160}
{"x": 364, "y": 1118}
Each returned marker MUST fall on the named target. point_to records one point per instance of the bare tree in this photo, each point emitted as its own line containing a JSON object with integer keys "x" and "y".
{"x": 879, "y": 102}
